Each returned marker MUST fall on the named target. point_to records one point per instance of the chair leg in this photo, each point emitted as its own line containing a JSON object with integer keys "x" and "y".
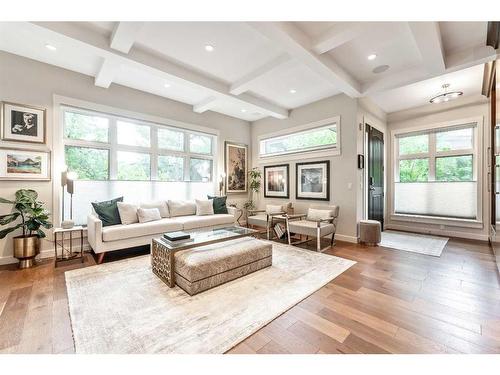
{"x": 333, "y": 239}
{"x": 318, "y": 240}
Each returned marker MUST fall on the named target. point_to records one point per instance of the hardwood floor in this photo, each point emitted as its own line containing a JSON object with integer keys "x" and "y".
{"x": 389, "y": 302}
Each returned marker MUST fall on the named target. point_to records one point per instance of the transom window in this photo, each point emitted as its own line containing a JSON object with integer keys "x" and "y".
{"x": 318, "y": 138}
{"x": 106, "y": 147}
{"x": 436, "y": 172}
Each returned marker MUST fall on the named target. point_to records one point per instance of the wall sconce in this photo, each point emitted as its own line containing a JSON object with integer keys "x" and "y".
{"x": 221, "y": 183}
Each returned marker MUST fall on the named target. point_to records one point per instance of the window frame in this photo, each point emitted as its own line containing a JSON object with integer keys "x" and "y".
{"x": 312, "y": 152}
{"x": 477, "y": 162}
{"x": 154, "y": 150}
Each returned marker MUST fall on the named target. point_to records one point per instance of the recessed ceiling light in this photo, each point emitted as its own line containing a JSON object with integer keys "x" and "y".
{"x": 293, "y": 91}
{"x": 51, "y": 47}
{"x": 372, "y": 56}
{"x": 166, "y": 85}
{"x": 209, "y": 48}
{"x": 380, "y": 69}
{"x": 243, "y": 110}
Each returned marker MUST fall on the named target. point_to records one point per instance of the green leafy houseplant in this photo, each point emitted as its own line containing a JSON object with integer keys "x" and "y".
{"x": 255, "y": 176}
{"x": 31, "y": 212}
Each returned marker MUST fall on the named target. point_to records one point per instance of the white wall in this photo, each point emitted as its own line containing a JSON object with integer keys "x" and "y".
{"x": 433, "y": 114}
{"x": 29, "y": 82}
{"x": 343, "y": 167}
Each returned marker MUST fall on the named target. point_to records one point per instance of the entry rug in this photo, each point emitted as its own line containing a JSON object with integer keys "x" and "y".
{"x": 122, "y": 307}
{"x": 415, "y": 243}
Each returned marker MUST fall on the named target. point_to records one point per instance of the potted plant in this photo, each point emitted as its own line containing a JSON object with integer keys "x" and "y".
{"x": 33, "y": 216}
{"x": 255, "y": 177}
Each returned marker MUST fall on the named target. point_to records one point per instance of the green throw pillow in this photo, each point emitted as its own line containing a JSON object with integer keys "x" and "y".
{"x": 219, "y": 204}
{"x": 108, "y": 211}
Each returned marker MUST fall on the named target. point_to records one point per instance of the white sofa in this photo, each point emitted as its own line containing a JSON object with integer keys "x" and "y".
{"x": 122, "y": 236}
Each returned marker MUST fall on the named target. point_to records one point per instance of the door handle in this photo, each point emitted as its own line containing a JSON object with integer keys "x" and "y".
{"x": 371, "y": 188}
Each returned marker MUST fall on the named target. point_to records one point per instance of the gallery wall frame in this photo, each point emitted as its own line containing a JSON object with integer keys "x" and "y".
{"x": 23, "y": 123}
{"x": 236, "y": 167}
{"x": 313, "y": 180}
{"x": 18, "y": 164}
{"x": 277, "y": 181}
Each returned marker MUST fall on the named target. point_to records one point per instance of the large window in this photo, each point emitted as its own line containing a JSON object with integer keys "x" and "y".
{"x": 317, "y": 138}
{"x": 105, "y": 147}
{"x": 436, "y": 172}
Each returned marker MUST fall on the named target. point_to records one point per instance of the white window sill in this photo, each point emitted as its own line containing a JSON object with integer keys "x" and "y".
{"x": 465, "y": 223}
{"x": 299, "y": 156}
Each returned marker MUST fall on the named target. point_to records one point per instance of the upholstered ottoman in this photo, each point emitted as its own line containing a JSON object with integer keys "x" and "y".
{"x": 370, "y": 232}
{"x": 205, "y": 267}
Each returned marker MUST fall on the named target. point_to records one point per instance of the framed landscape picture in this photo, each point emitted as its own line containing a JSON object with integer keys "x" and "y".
{"x": 313, "y": 180}
{"x": 236, "y": 165}
{"x": 18, "y": 164}
{"x": 276, "y": 181}
{"x": 22, "y": 123}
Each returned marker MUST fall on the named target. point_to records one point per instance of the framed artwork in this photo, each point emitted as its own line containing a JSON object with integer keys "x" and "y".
{"x": 236, "y": 167}
{"x": 276, "y": 181}
{"x": 313, "y": 180}
{"x": 19, "y": 164}
{"x": 22, "y": 123}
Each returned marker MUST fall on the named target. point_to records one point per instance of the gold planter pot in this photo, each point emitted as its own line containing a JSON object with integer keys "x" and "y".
{"x": 26, "y": 248}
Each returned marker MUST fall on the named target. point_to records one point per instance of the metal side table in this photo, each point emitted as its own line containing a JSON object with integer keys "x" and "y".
{"x": 68, "y": 254}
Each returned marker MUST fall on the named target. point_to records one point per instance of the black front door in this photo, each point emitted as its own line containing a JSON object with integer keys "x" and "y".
{"x": 375, "y": 175}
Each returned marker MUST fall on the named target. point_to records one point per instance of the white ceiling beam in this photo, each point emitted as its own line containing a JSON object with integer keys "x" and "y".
{"x": 124, "y": 35}
{"x": 455, "y": 62}
{"x": 291, "y": 39}
{"x": 204, "y": 105}
{"x": 427, "y": 36}
{"x": 244, "y": 83}
{"x": 337, "y": 35}
{"x": 163, "y": 69}
{"x": 106, "y": 73}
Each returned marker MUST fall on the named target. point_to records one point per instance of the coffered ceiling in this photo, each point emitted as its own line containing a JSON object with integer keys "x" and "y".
{"x": 252, "y": 70}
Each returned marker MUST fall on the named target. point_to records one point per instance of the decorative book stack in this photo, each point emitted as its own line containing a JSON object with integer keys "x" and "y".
{"x": 175, "y": 238}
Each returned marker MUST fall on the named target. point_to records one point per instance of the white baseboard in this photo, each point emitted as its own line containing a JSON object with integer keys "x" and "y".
{"x": 342, "y": 237}
{"x": 44, "y": 254}
{"x": 438, "y": 232}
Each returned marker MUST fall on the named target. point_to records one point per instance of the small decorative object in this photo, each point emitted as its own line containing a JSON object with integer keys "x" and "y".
{"x": 20, "y": 164}
{"x": 313, "y": 180}
{"x": 236, "y": 161}
{"x": 22, "y": 123}
{"x": 276, "y": 181}
{"x": 67, "y": 180}
{"x": 33, "y": 216}
{"x": 255, "y": 176}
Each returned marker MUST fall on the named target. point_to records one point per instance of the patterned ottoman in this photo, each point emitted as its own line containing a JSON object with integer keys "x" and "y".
{"x": 205, "y": 267}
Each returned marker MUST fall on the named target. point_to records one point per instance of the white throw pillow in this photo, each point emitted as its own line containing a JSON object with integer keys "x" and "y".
{"x": 160, "y": 205}
{"x": 315, "y": 214}
{"x": 128, "y": 213}
{"x": 204, "y": 207}
{"x": 181, "y": 208}
{"x": 148, "y": 214}
{"x": 273, "y": 209}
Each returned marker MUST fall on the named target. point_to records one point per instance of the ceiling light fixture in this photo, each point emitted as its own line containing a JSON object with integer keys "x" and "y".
{"x": 372, "y": 56}
{"x": 293, "y": 91}
{"x": 50, "y": 47}
{"x": 446, "y": 96}
{"x": 209, "y": 48}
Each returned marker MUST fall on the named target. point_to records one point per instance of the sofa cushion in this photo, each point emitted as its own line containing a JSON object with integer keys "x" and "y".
{"x": 120, "y": 232}
{"x": 205, "y": 261}
{"x": 220, "y": 206}
{"x": 108, "y": 211}
{"x": 204, "y": 207}
{"x": 128, "y": 212}
{"x": 181, "y": 208}
{"x": 193, "y": 221}
{"x": 160, "y": 205}
{"x": 146, "y": 215}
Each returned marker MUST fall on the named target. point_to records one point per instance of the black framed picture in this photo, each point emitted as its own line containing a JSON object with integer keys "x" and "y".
{"x": 276, "y": 181}
{"x": 313, "y": 180}
{"x": 22, "y": 123}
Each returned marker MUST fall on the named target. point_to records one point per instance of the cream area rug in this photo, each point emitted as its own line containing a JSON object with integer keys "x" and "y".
{"x": 415, "y": 243}
{"x": 122, "y": 307}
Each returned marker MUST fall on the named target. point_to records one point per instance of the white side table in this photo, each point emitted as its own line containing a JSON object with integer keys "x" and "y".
{"x": 68, "y": 254}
